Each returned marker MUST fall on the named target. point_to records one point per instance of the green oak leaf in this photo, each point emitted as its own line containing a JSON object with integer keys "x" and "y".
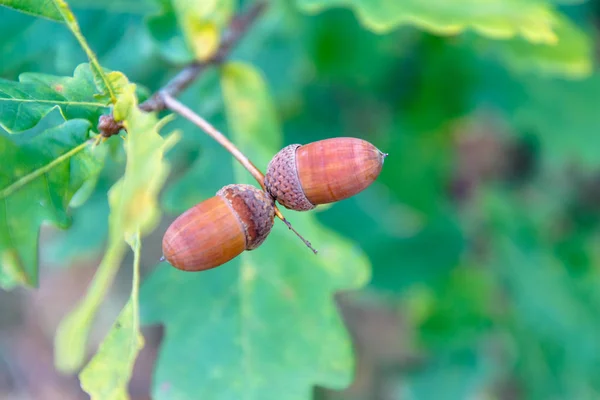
{"x": 24, "y": 103}
{"x": 499, "y": 19}
{"x": 39, "y": 8}
{"x": 571, "y": 56}
{"x": 133, "y": 211}
{"x": 266, "y": 323}
{"x": 107, "y": 374}
{"x": 39, "y": 176}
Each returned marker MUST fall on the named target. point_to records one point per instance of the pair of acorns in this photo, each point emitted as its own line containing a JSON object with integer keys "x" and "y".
{"x": 240, "y": 217}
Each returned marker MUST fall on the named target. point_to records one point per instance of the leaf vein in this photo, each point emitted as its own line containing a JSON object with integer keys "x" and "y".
{"x": 15, "y": 186}
{"x": 70, "y": 103}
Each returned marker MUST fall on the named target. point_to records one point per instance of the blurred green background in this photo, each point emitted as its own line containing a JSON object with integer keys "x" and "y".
{"x": 482, "y": 229}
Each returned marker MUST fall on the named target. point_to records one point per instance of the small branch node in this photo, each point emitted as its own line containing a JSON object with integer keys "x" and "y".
{"x": 107, "y": 126}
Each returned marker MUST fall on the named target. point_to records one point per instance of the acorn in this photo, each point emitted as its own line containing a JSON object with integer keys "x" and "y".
{"x": 302, "y": 176}
{"x": 218, "y": 229}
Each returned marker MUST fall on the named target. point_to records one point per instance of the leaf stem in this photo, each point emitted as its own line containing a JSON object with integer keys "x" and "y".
{"x": 73, "y": 25}
{"x": 7, "y": 191}
{"x": 237, "y": 29}
{"x": 72, "y": 333}
{"x": 176, "y": 106}
{"x": 135, "y": 287}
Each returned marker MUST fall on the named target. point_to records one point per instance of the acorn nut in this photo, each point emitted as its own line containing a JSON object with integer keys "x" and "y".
{"x": 303, "y": 176}
{"x": 218, "y": 229}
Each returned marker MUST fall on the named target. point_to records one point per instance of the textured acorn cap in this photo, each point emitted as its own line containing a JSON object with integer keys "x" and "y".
{"x": 329, "y": 170}
{"x": 254, "y": 210}
{"x": 283, "y": 183}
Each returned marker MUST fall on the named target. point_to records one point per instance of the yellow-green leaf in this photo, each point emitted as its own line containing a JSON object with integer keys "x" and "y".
{"x": 133, "y": 211}
{"x": 202, "y": 22}
{"x": 500, "y": 19}
{"x": 571, "y": 56}
{"x": 72, "y": 333}
{"x": 106, "y": 376}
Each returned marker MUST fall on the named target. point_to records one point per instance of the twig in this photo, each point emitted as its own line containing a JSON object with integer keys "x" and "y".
{"x": 165, "y": 98}
{"x": 176, "y": 106}
{"x": 237, "y": 28}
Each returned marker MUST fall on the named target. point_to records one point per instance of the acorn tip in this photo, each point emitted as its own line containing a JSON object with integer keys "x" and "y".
{"x": 161, "y": 259}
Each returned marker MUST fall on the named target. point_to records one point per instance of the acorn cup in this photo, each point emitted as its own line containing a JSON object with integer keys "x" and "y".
{"x": 301, "y": 177}
{"x": 218, "y": 229}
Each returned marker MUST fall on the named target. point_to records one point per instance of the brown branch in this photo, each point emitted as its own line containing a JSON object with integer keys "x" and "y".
{"x": 165, "y": 98}
{"x": 237, "y": 29}
{"x": 176, "y": 106}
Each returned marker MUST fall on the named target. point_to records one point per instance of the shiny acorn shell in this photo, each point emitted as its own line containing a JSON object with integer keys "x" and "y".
{"x": 218, "y": 229}
{"x": 303, "y": 176}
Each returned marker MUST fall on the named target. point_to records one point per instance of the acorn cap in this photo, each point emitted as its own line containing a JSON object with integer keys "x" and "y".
{"x": 254, "y": 210}
{"x": 303, "y": 176}
{"x": 283, "y": 183}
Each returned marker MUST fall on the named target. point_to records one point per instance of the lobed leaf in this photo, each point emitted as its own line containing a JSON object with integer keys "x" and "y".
{"x": 133, "y": 211}
{"x": 500, "y": 19}
{"x": 23, "y": 104}
{"x": 38, "y": 178}
{"x": 39, "y": 8}
{"x": 570, "y": 57}
{"x": 107, "y": 374}
{"x": 265, "y": 323}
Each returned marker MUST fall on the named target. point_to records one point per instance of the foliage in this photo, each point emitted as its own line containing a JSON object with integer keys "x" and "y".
{"x": 49, "y": 164}
{"x": 264, "y": 297}
{"x": 482, "y": 229}
{"x": 495, "y": 18}
{"x": 133, "y": 212}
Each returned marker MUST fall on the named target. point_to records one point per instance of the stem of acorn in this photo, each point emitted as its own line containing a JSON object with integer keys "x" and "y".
{"x": 176, "y": 106}
{"x": 287, "y": 223}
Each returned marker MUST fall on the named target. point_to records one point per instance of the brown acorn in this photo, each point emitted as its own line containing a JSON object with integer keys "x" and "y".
{"x": 218, "y": 229}
{"x": 303, "y": 176}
